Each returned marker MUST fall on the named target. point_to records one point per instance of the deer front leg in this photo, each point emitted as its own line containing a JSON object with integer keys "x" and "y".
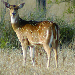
{"x": 32, "y": 54}
{"x": 24, "y": 44}
{"x": 24, "y": 55}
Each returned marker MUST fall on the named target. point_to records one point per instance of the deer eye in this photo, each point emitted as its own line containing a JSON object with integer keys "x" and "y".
{"x": 9, "y": 8}
{"x": 13, "y": 5}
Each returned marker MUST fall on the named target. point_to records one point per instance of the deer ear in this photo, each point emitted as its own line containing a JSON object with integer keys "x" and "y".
{"x": 7, "y": 4}
{"x": 21, "y": 5}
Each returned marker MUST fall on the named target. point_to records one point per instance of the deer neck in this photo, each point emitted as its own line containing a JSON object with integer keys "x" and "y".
{"x": 14, "y": 19}
{"x": 15, "y": 22}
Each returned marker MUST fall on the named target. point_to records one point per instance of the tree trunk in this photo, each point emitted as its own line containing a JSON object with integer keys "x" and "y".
{"x": 41, "y": 6}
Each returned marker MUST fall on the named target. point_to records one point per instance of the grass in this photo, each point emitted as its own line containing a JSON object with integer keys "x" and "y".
{"x": 11, "y": 63}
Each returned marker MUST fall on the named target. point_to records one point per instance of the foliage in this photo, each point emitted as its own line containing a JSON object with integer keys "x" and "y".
{"x": 8, "y": 37}
{"x": 70, "y": 10}
{"x": 49, "y": 1}
{"x": 66, "y": 34}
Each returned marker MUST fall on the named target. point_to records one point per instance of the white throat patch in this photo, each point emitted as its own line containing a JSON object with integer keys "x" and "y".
{"x": 13, "y": 19}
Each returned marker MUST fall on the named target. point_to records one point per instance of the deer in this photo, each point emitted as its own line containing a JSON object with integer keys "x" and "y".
{"x": 34, "y": 33}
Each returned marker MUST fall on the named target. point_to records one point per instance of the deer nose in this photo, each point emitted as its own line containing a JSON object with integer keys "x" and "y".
{"x": 14, "y": 14}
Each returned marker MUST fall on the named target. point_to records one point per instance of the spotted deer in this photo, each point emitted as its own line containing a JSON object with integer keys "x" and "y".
{"x": 33, "y": 33}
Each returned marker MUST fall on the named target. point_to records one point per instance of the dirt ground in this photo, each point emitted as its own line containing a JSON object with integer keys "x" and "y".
{"x": 11, "y": 63}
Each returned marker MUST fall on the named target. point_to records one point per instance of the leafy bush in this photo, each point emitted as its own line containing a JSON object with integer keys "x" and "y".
{"x": 66, "y": 34}
{"x": 8, "y": 37}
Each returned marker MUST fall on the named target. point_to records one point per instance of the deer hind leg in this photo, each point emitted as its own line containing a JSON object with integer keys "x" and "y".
{"x": 48, "y": 50}
{"x": 55, "y": 51}
{"x": 56, "y": 57}
{"x": 32, "y": 54}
